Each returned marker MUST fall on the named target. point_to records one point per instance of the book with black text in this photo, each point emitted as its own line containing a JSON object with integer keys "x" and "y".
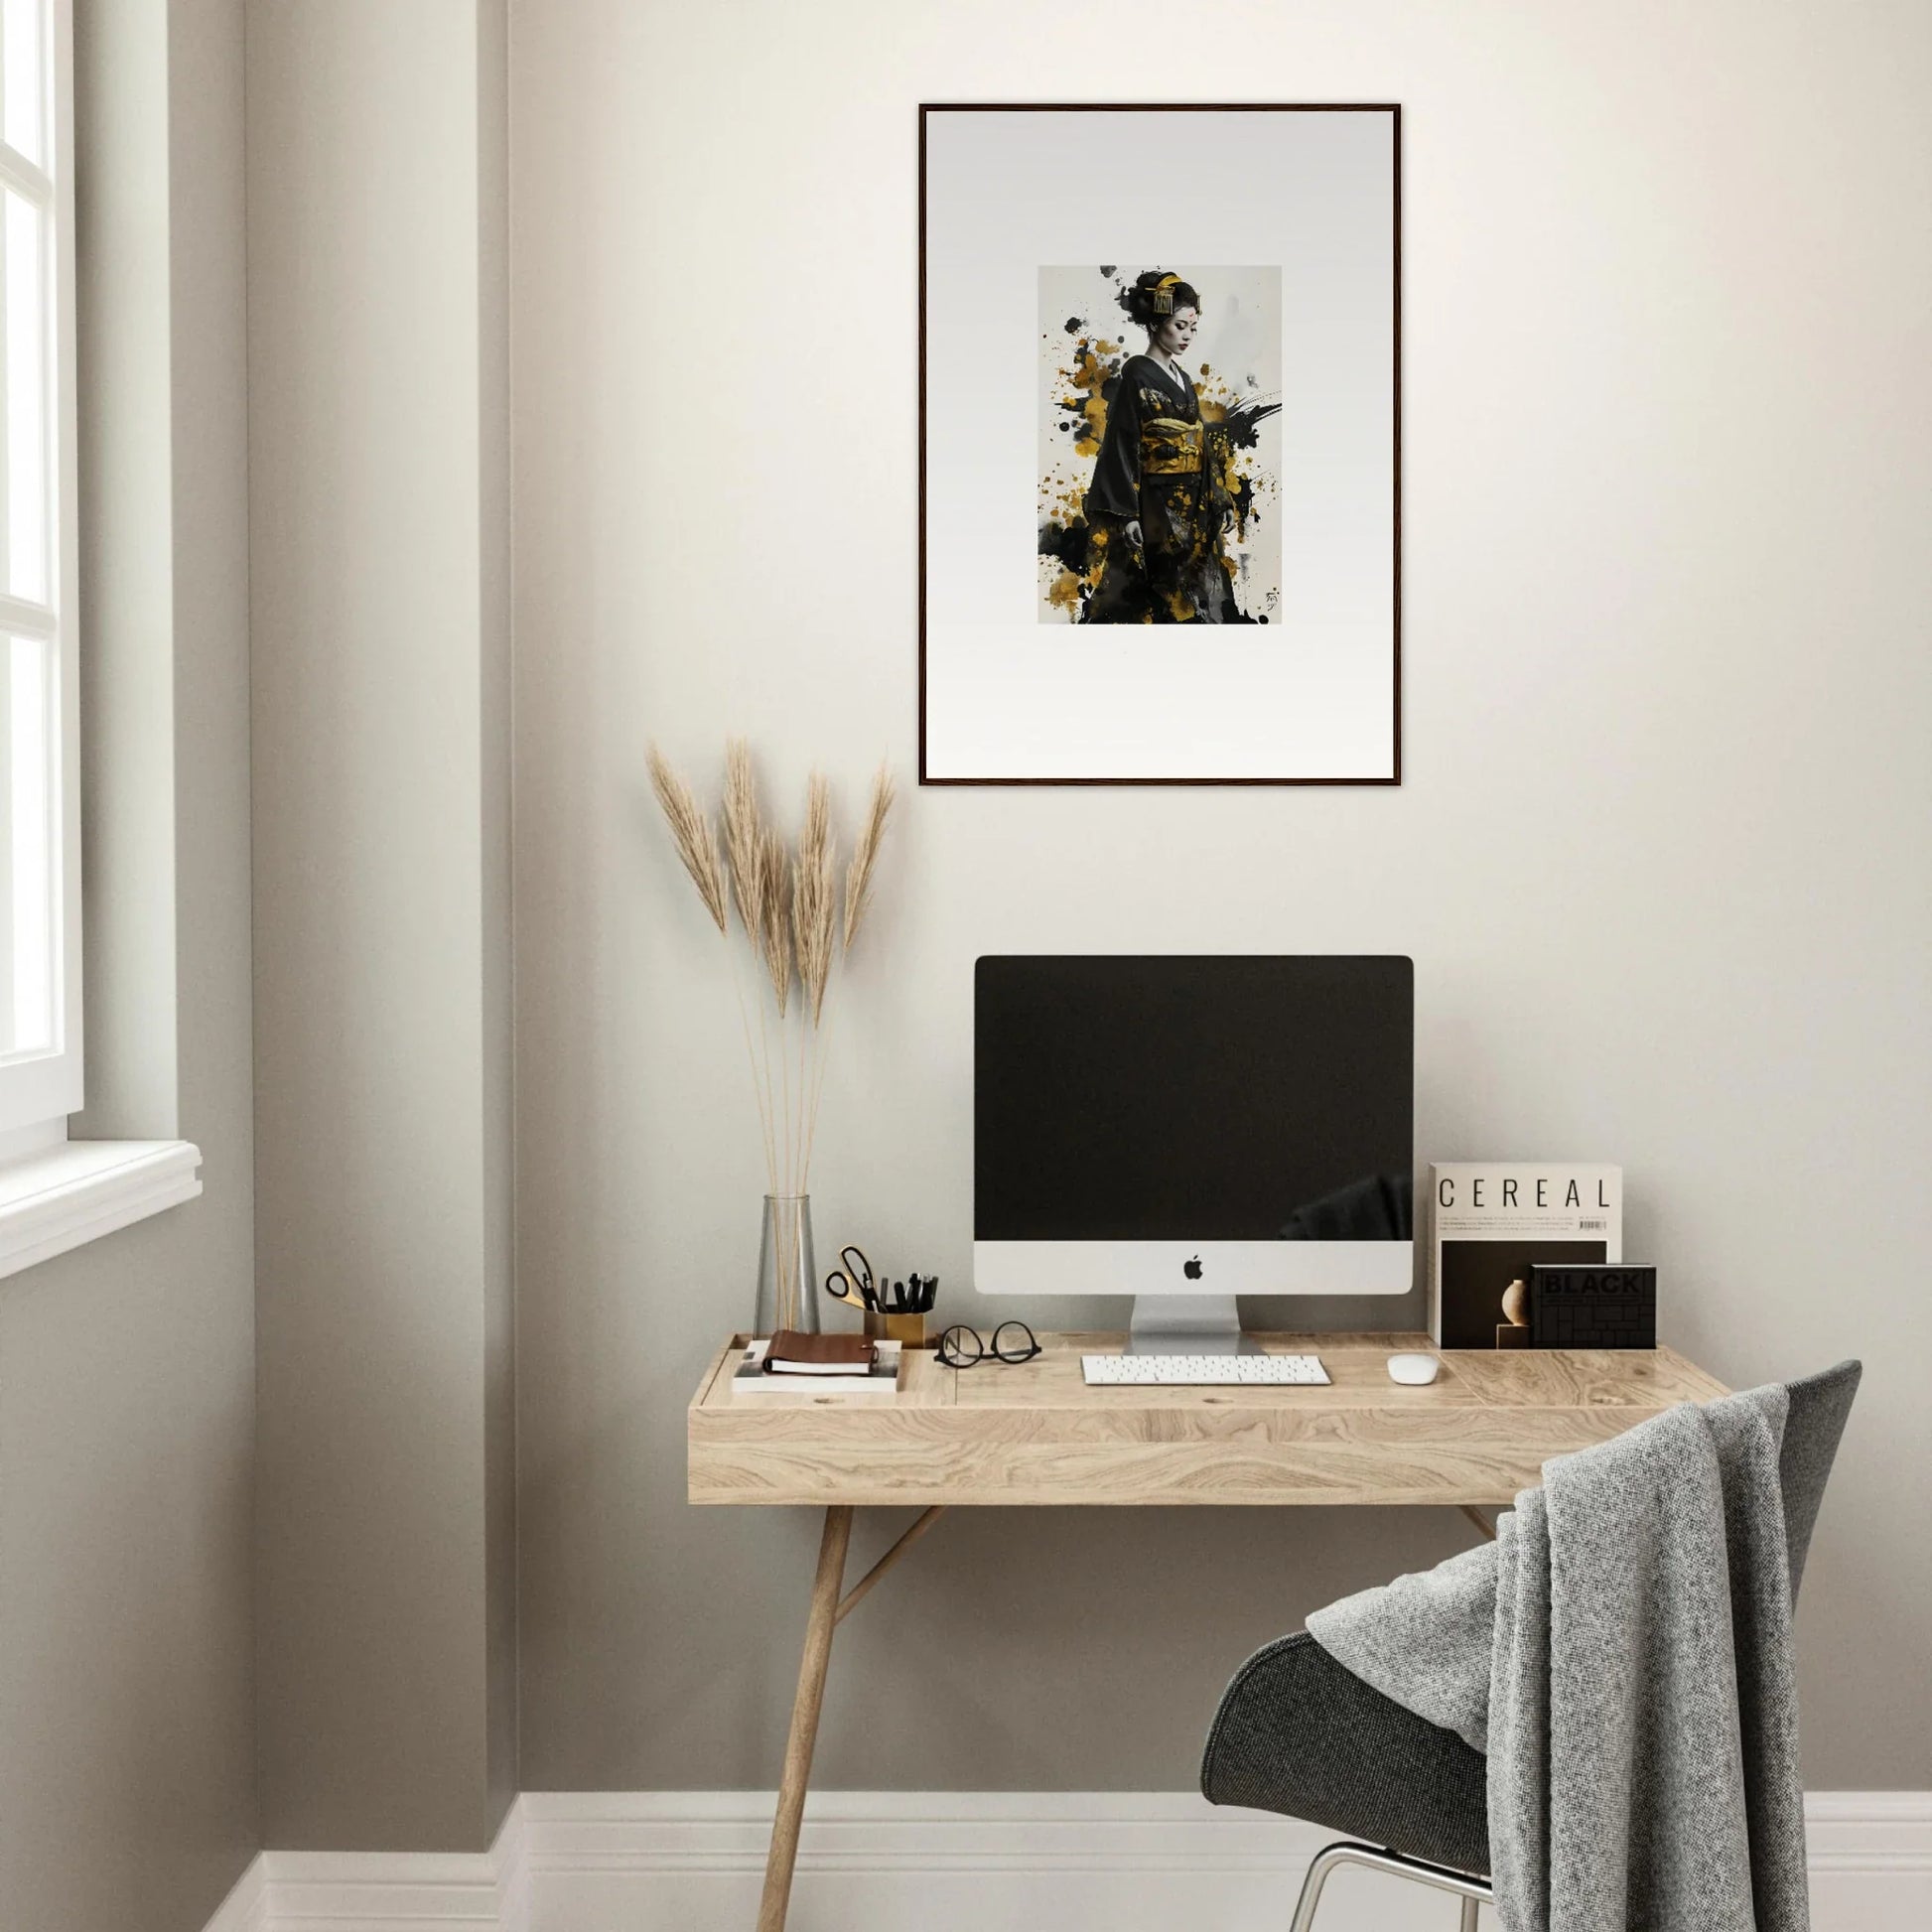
{"x": 1489, "y": 1222}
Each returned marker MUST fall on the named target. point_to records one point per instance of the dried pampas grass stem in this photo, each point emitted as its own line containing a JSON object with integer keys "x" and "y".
{"x": 814, "y": 896}
{"x": 814, "y": 928}
{"x": 788, "y": 905}
{"x": 858, "y": 901}
{"x": 741, "y": 832}
{"x": 697, "y": 844}
{"x": 865, "y": 855}
{"x": 774, "y": 915}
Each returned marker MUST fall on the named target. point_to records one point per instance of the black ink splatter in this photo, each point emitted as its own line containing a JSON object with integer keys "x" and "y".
{"x": 1109, "y": 269}
{"x": 1243, "y": 424}
{"x": 1069, "y": 542}
{"x": 1074, "y": 323}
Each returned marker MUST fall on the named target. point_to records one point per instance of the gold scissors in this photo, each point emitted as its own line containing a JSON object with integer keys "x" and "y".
{"x": 852, "y": 1281}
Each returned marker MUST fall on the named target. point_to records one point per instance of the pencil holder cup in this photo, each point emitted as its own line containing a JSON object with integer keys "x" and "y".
{"x": 908, "y": 1329}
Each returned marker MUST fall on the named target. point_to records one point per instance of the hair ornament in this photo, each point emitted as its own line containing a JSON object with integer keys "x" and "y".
{"x": 1163, "y": 294}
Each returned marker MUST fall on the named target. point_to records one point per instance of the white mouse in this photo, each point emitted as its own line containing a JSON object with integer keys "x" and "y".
{"x": 1414, "y": 1369}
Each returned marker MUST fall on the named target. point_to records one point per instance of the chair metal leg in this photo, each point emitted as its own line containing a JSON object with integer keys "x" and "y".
{"x": 1472, "y": 1891}
{"x": 1324, "y": 1862}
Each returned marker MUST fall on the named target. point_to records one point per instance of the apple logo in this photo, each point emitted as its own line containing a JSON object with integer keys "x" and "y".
{"x": 1192, "y": 1269}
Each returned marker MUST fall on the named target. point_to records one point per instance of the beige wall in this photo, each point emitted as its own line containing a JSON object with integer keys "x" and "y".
{"x": 377, "y": 443}
{"x": 1668, "y": 444}
{"x": 127, "y": 1747}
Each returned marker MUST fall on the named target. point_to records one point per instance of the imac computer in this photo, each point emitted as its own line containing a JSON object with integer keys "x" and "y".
{"x": 1190, "y": 1129}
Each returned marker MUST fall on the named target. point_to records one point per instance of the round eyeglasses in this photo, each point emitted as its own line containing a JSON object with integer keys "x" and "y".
{"x": 962, "y": 1347}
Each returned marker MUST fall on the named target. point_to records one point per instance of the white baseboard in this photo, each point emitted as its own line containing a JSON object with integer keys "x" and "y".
{"x": 955, "y": 1861}
{"x": 245, "y": 1909}
{"x": 385, "y": 1892}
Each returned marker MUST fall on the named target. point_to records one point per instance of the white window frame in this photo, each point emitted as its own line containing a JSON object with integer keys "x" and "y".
{"x": 55, "y": 1193}
{"x": 38, "y": 1092}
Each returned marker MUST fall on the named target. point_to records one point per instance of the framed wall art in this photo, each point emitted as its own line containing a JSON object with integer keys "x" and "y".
{"x": 1160, "y": 389}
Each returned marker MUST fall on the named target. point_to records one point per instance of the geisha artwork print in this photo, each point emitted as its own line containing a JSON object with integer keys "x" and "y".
{"x": 1159, "y": 357}
{"x": 1160, "y": 490}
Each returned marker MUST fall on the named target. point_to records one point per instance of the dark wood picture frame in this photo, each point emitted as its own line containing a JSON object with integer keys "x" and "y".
{"x": 1393, "y": 109}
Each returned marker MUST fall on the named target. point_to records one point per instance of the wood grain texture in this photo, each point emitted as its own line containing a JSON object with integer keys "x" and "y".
{"x": 1034, "y": 1433}
{"x": 800, "y": 1742}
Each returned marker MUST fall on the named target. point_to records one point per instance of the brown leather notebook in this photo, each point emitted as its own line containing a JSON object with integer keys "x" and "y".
{"x": 793, "y": 1354}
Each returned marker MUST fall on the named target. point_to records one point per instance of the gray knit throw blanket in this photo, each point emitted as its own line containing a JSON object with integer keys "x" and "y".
{"x": 1622, "y": 1653}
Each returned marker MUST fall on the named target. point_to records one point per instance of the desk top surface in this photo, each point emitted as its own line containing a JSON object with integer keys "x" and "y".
{"x": 1034, "y": 1433}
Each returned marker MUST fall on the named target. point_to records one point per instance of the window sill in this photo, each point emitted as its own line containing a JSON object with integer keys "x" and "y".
{"x": 81, "y": 1190}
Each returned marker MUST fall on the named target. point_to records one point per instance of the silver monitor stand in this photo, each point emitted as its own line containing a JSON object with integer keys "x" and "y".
{"x": 1187, "y": 1325}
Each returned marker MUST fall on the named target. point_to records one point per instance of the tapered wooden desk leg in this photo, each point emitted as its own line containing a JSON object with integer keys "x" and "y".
{"x": 805, "y": 1718}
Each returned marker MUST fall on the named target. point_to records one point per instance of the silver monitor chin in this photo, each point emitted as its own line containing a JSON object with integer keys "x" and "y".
{"x": 1201, "y": 1268}
{"x": 1184, "y": 1295}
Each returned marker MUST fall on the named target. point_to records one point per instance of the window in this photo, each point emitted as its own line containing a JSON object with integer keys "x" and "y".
{"x": 54, "y": 1193}
{"x": 40, "y": 824}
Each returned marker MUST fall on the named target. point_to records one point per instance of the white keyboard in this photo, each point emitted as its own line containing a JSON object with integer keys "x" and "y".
{"x": 1202, "y": 1371}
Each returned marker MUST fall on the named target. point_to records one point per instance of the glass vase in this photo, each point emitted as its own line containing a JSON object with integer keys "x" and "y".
{"x": 787, "y": 1273}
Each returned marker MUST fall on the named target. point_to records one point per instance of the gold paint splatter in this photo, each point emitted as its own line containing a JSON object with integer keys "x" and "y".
{"x": 1078, "y": 371}
{"x": 1092, "y": 368}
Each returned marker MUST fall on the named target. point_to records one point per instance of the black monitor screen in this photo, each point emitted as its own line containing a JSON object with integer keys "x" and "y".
{"x": 1224, "y": 1098}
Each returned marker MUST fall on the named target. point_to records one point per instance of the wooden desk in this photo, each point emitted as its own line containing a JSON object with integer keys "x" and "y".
{"x": 1034, "y": 1433}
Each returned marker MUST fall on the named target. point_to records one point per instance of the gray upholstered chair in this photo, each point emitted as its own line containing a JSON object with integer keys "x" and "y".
{"x": 1298, "y": 1733}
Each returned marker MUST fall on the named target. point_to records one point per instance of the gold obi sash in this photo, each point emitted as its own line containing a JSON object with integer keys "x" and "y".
{"x": 1169, "y": 447}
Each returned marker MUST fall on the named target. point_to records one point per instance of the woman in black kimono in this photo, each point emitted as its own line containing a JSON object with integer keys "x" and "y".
{"x": 1160, "y": 502}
